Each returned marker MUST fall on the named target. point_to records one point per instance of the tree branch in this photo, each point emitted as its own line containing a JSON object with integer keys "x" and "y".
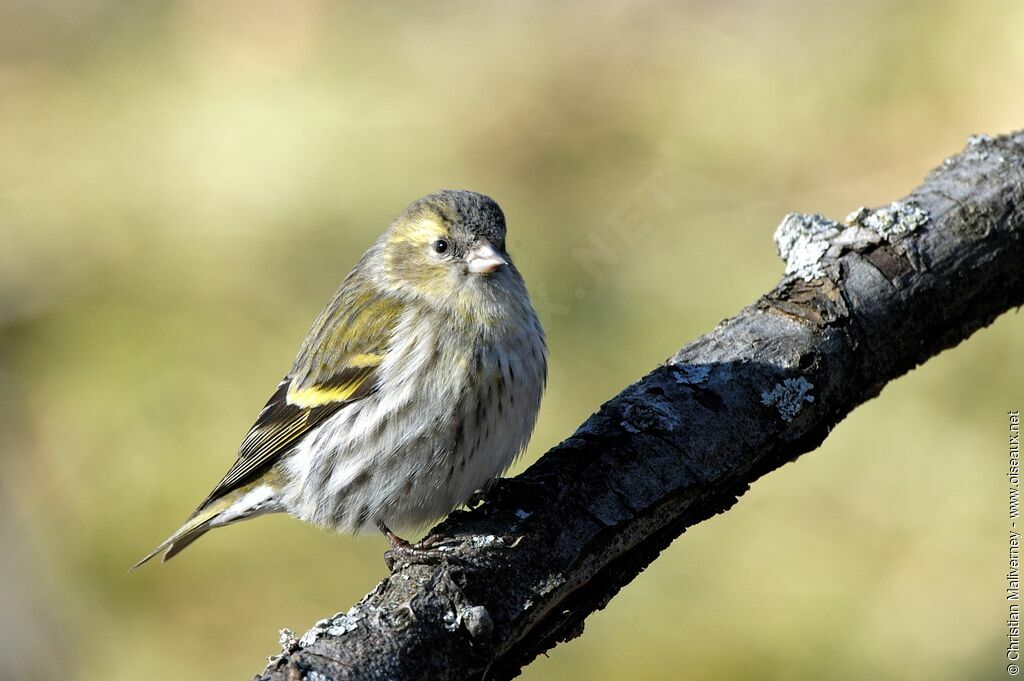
{"x": 862, "y": 303}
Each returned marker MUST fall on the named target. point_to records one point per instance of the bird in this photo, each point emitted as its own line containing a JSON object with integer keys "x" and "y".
{"x": 416, "y": 387}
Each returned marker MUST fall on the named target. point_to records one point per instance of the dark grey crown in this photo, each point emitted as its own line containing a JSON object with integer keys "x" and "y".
{"x": 476, "y": 214}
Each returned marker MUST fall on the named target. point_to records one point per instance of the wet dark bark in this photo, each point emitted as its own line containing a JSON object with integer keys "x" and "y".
{"x": 864, "y": 302}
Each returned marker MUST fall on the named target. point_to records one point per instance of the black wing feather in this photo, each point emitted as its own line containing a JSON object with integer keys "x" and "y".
{"x": 335, "y": 367}
{"x": 279, "y": 426}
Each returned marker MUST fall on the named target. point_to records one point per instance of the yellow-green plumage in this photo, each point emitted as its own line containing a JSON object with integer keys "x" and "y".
{"x": 418, "y": 384}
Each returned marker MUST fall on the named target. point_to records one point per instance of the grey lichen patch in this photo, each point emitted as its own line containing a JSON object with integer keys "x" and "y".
{"x": 310, "y": 637}
{"x": 808, "y": 242}
{"x": 892, "y": 221}
{"x": 287, "y": 640}
{"x": 802, "y": 241}
{"x": 316, "y": 676}
{"x": 288, "y": 644}
{"x": 980, "y": 147}
{"x": 649, "y": 414}
{"x": 688, "y": 374}
{"x": 789, "y": 397}
{"x": 857, "y": 217}
{"x": 481, "y": 540}
{"x": 341, "y": 624}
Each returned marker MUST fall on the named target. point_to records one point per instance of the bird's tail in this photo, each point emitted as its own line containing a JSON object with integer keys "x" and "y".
{"x": 198, "y": 524}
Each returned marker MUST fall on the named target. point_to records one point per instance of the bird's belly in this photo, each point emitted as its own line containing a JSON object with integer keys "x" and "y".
{"x": 404, "y": 459}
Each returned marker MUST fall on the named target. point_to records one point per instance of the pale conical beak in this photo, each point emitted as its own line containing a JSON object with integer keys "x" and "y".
{"x": 483, "y": 259}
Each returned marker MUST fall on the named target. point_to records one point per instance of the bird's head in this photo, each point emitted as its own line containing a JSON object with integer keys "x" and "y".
{"x": 447, "y": 248}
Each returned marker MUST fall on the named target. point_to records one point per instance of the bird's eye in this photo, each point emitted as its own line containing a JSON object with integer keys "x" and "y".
{"x": 441, "y": 246}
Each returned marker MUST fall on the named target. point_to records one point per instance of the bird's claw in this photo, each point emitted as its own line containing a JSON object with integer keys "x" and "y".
{"x": 412, "y": 554}
{"x": 427, "y": 551}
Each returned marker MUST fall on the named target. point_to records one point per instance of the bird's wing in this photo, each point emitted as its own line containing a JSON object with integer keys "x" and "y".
{"x": 336, "y": 366}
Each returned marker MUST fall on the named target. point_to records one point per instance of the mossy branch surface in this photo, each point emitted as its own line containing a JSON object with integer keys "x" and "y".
{"x": 863, "y": 301}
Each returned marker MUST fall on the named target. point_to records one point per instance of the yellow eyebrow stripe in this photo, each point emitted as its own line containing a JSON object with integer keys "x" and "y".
{"x": 423, "y": 230}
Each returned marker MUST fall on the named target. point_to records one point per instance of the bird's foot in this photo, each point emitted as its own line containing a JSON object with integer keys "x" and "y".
{"x": 427, "y": 551}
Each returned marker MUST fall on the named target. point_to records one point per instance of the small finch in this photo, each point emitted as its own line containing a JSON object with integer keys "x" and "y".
{"x": 417, "y": 385}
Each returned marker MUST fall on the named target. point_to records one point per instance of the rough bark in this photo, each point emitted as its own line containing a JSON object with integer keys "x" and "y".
{"x": 862, "y": 302}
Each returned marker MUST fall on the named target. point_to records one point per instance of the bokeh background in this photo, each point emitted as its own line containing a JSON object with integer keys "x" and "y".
{"x": 183, "y": 184}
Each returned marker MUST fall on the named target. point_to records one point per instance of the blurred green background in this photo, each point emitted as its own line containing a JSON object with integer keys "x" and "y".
{"x": 183, "y": 184}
